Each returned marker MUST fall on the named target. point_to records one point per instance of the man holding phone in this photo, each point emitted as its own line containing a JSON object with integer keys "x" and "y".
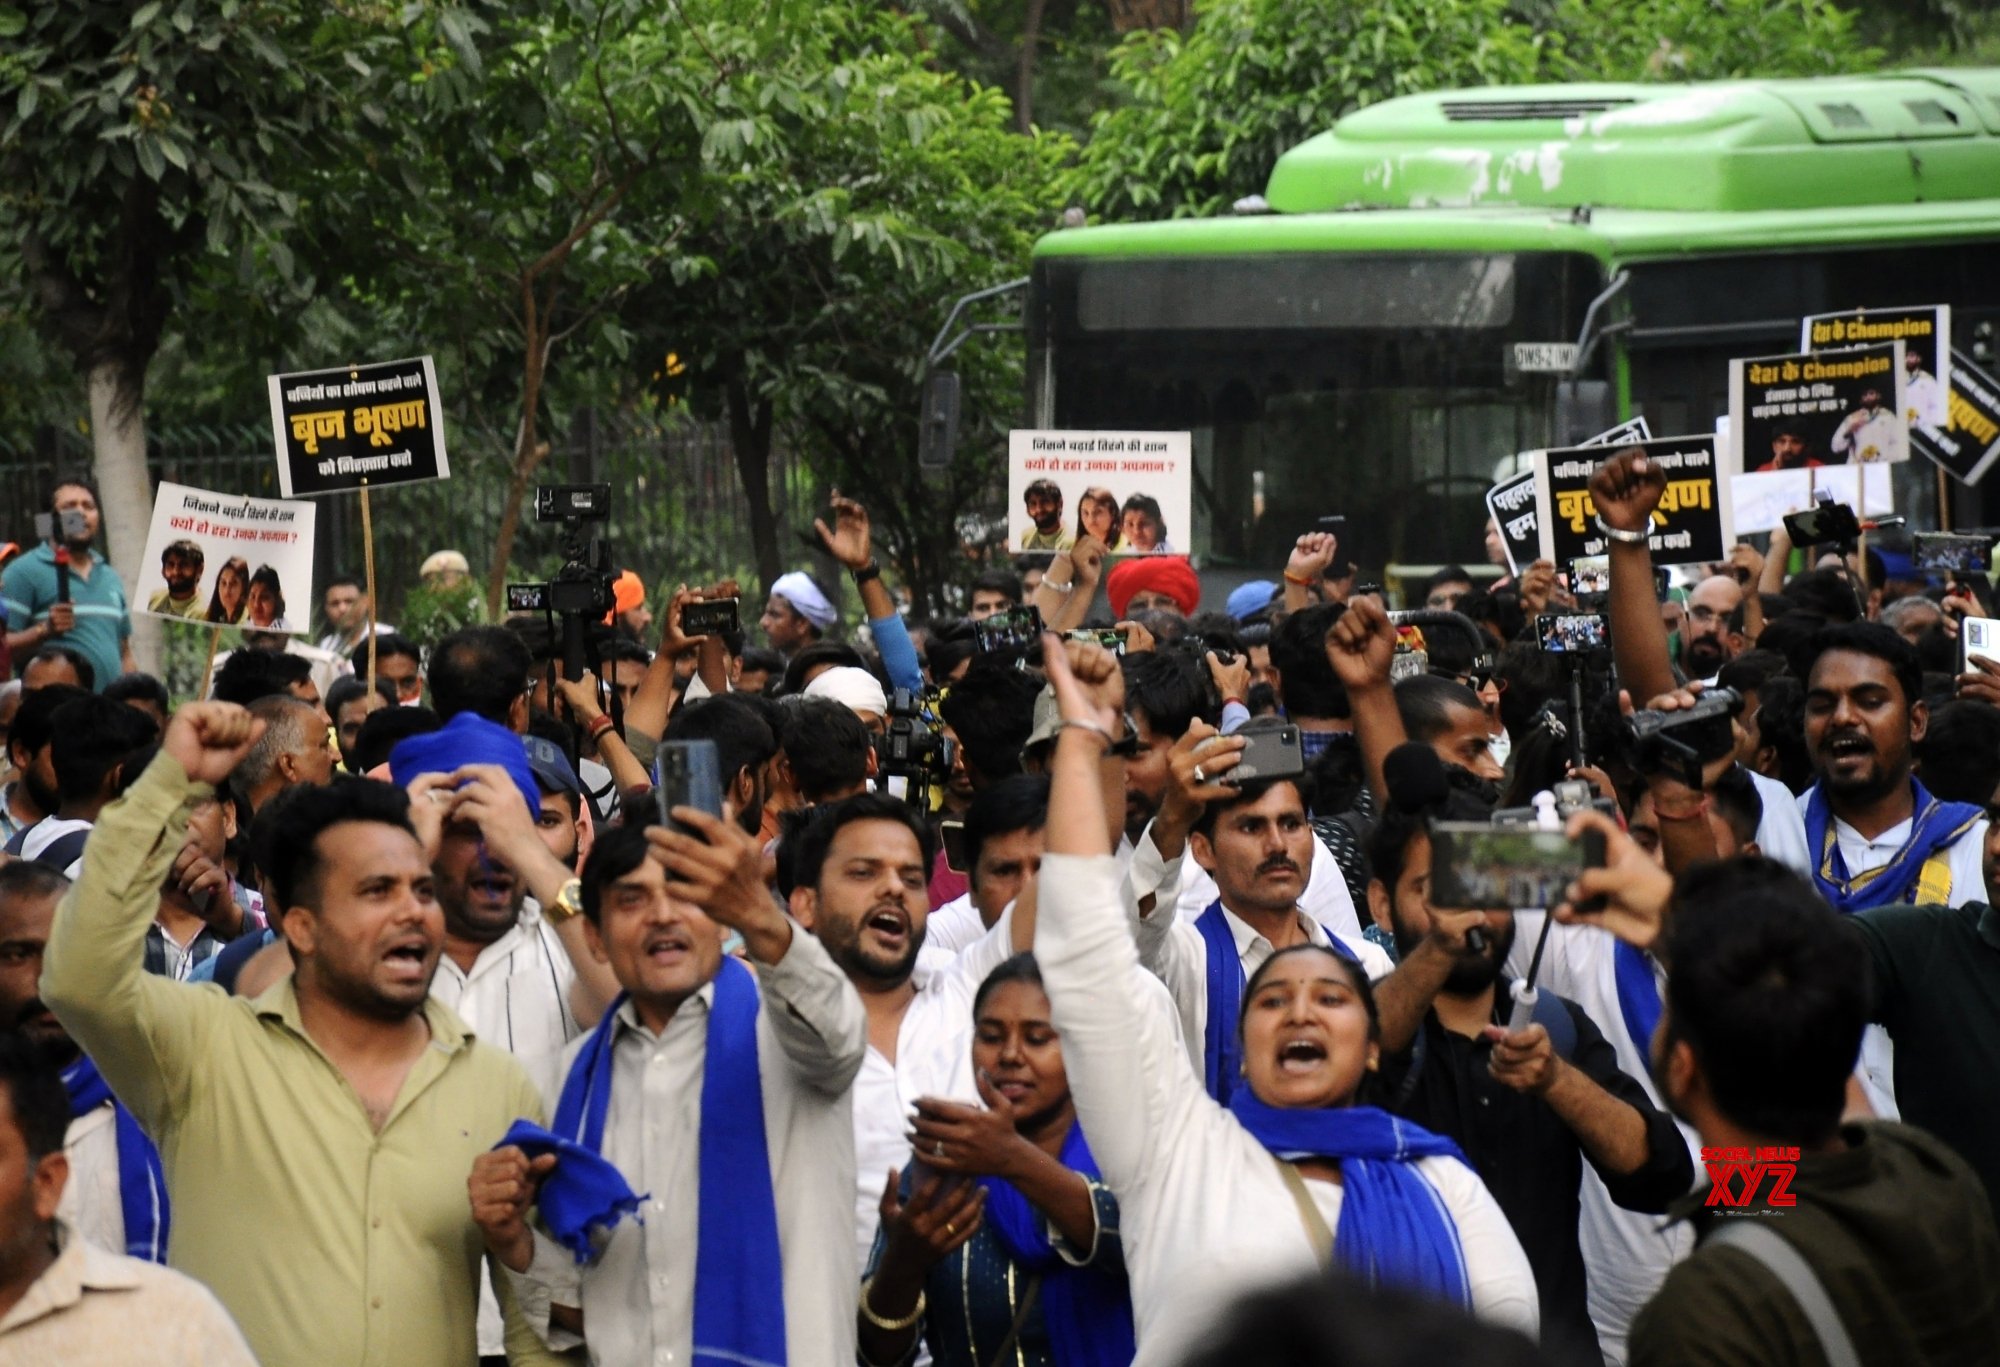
{"x": 61, "y": 590}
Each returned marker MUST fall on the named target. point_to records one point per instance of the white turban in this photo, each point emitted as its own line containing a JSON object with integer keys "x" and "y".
{"x": 855, "y": 689}
{"x": 798, "y": 589}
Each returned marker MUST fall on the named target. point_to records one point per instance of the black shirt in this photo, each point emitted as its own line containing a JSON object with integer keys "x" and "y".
{"x": 1530, "y": 1160}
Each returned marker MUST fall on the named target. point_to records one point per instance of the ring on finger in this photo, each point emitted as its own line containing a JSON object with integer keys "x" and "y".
{"x": 950, "y": 1228}
{"x": 938, "y": 1148}
{"x": 1199, "y": 776}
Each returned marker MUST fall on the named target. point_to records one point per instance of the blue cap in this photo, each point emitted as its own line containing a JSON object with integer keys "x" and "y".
{"x": 1247, "y": 600}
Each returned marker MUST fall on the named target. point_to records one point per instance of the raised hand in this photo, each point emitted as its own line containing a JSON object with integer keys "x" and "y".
{"x": 1088, "y": 684}
{"x": 1538, "y": 585}
{"x": 1635, "y": 890}
{"x": 585, "y": 696}
{"x": 1311, "y": 555}
{"x": 719, "y": 869}
{"x": 208, "y": 738}
{"x": 1232, "y": 680}
{"x": 848, "y": 540}
{"x": 972, "y": 1141}
{"x": 1362, "y": 645}
{"x": 1524, "y": 1060}
{"x": 1626, "y": 489}
{"x": 1087, "y": 556}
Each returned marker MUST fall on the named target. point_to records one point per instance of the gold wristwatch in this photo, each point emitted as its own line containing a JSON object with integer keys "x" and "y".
{"x": 568, "y": 903}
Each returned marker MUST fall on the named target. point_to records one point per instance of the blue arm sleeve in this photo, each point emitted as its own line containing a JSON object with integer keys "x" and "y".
{"x": 899, "y": 655}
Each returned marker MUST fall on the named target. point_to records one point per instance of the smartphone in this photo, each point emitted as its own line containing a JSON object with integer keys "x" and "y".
{"x": 1821, "y": 523}
{"x": 1335, "y": 523}
{"x": 1590, "y": 575}
{"x": 527, "y": 598}
{"x": 1408, "y": 664}
{"x": 687, "y": 773}
{"x": 1566, "y": 633}
{"x": 1111, "y": 638}
{"x": 1663, "y": 583}
{"x": 1950, "y": 551}
{"x": 711, "y": 617}
{"x": 957, "y": 852}
{"x": 1982, "y": 638}
{"x": 1014, "y": 629}
{"x": 1500, "y": 868}
{"x": 1274, "y": 753}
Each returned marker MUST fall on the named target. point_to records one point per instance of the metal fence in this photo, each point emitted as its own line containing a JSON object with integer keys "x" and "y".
{"x": 678, "y": 508}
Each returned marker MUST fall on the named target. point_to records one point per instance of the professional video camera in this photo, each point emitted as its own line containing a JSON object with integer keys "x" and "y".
{"x": 580, "y": 593}
{"x": 913, "y": 756}
{"x": 1682, "y": 743}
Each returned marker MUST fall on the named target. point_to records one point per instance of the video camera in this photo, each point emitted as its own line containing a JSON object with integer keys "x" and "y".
{"x": 580, "y": 592}
{"x": 913, "y": 756}
{"x": 1681, "y": 744}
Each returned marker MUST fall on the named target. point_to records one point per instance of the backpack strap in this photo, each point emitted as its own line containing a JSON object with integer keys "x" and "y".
{"x": 1791, "y": 1269}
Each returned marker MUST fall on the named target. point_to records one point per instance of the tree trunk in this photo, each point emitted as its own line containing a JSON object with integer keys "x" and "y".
{"x": 118, "y": 440}
{"x": 529, "y": 450}
{"x": 750, "y": 441}
{"x": 1024, "y": 70}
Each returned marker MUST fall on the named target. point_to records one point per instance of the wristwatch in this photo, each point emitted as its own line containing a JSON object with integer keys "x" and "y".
{"x": 568, "y": 903}
{"x": 871, "y": 570}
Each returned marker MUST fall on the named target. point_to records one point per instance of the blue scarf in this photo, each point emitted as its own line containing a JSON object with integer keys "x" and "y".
{"x": 1638, "y": 995}
{"x": 1937, "y": 824}
{"x": 142, "y": 1181}
{"x": 1088, "y": 1310}
{"x": 738, "y": 1276}
{"x": 1394, "y": 1227}
{"x": 1223, "y": 1046}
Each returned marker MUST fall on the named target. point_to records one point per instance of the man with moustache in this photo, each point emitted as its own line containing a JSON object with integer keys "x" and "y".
{"x": 1528, "y": 1107}
{"x": 857, "y": 875}
{"x": 180, "y": 566}
{"x": 116, "y": 1196}
{"x": 341, "y": 1109}
{"x": 1254, "y": 841}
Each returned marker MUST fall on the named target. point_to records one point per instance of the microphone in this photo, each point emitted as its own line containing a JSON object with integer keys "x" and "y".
{"x": 1418, "y": 786}
{"x": 62, "y": 572}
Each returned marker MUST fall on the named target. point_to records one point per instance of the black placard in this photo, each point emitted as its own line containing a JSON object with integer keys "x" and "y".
{"x": 370, "y": 425}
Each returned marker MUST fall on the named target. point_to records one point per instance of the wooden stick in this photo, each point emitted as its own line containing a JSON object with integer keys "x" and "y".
{"x": 368, "y": 570}
{"x": 208, "y": 666}
{"x": 1944, "y": 498}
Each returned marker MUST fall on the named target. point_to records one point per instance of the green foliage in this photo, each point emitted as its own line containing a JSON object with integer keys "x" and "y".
{"x": 1209, "y": 114}
{"x": 431, "y": 613}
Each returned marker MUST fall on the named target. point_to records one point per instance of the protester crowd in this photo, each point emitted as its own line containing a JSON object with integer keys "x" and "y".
{"x": 370, "y": 1010}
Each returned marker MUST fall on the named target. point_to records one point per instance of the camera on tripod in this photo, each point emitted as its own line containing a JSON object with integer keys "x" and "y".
{"x": 582, "y": 587}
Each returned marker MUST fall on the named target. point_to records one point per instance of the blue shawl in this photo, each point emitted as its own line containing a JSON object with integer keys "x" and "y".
{"x": 1222, "y": 1045}
{"x": 1936, "y": 825}
{"x": 142, "y": 1181}
{"x": 739, "y": 1277}
{"x": 1638, "y": 995}
{"x": 1088, "y": 1310}
{"x": 1394, "y": 1226}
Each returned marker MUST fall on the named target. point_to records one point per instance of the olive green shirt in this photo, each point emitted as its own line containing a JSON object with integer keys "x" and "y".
{"x": 330, "y": 1243}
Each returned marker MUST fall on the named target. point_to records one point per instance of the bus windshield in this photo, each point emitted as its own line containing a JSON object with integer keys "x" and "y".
{"x": 1378, "y": 387}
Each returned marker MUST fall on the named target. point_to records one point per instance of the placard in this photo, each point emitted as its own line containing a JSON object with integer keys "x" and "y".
{"x": 1132, "y": 490}
{"x": 337, "y": 430}
{"x": 1819, "y": 408}
{"x": 1511, "y": 503}
{"x": 1691, "y": 525}
{"x": 1925, "y": 333}
{"x": 1969, "y": 443}
{"x": 1759, "y": 501}
{"x": 228, "y": 560}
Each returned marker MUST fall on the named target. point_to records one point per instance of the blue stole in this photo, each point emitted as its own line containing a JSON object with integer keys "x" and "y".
{"x": 1394, "y": 1227}
{"x": 1935, "y": 826}
{"x": 739, "y": 1278}
{"x": 1088, "y": 1310}
{"x": 1222, "y": 1048}
{"x": 1638, "y": 995}
{"x": 142, "y": 1181}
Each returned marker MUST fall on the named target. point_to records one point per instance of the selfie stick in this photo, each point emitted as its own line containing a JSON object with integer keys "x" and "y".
{"x": 1523, "y": 989}
{"x": 1576, "y": 749}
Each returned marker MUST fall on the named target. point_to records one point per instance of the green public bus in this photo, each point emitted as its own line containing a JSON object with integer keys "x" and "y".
{"x": 1443, "y": 280}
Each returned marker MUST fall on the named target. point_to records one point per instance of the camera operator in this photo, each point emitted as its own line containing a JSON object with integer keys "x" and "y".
{"x": 1528, "y": 1107}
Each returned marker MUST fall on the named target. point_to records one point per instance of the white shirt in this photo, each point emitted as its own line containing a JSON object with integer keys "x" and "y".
{"x": 1781, "y": 832}
{"x": 933, "y": 1058}
{"x": 46, "y": 832}
{"x": 1881, "y": 437}
{"x": 516, "y": 996}
{"x": 90, "y": 1203}
{"x": 1925, "y": 402}
{"x": 638, "y": 1297}
{"x": 1205, "y": 1215}
{"x": 1325, "y": 899}
{"x": 336, "y": 642}
{"x": 1626, "y": 1254}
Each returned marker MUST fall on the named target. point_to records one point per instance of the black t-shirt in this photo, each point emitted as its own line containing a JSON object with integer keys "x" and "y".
{"x": 1531, "y": 1161}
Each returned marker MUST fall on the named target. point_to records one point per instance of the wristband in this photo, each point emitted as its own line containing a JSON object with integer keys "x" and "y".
{"x": 1694, "y": 813}
{"x": 1238, "y": 701}
{"x": 871, "y": 570}
{"x": 1110, "y": 741}
{"x": 1620, "y": 535}
{"x": 597, "y": 725}
{"x": 1298, "y": 579}
{"x": 892, "y": 1326}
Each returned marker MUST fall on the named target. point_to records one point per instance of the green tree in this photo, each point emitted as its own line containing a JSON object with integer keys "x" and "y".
{"x": 848, "y": 191}
{"x": 140, "y": 148}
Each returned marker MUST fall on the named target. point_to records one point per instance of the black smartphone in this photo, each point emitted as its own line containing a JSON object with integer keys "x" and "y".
{"x": 1501, "y": 868}
{"x": 1663, "y": 583}
{"x": 1821, "y": 523}
{"x": 687, "y": 773}
{"x": 711, "y": 617}
{"x": 1014, "y": 629}
{"x": 1274, "y": 753}
{"x": 957, "y": 852}
{"x": 1568, "y": 633}
{"x": 1952, "y": 551}
{"x": 1111, "y": 638}
{"x": 527, "y": 598}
